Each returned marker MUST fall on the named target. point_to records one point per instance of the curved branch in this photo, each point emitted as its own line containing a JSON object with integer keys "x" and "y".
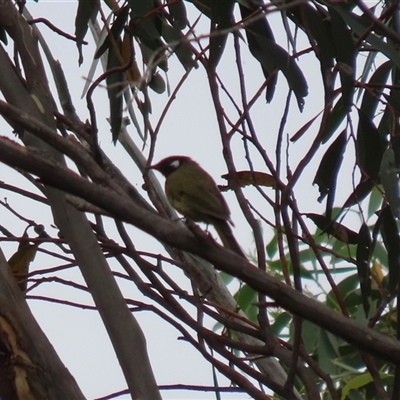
{"x": 178, "y": 236}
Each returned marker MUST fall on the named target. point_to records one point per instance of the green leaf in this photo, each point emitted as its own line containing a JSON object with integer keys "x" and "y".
{"x": 356, "y": 383}
{"x": 204, "y": 6}
{"x": 86, "y": 9}
{"x": 390, "y": 235}
{"x": 227, "y": 279}
{"x": 336, "y": 117}
{"x": 390, "y": 181}
{"x": 115, "y": 85}
{"x": 372, "y": 95}
{"x": 145, "y": 21}
{"x": 345, "y": 54}
{"x": 374, "y": 40}
{"x": 375, "y": 202}
{"x": 271, "y": 56}
{"x": 328, "y": 170}
{"x": 334, "y": 228}
{"x": 347, "y": 287}
{"x": 360, "y": 193}
{"x": 303, "y": 129}
{"x": 369, "y": 147}
{"x": 310, "y": 334}
{"x": 115, "y": 31}
{"x": 222, "y": 18}
{"x": 261, "y": 27}
{"x": 316, "y": 22}
{"x": 157, "y": 83}
{"x": 281, "y": 322}
{"x": 327, "y": 352}
{"x": 177, "y": 11}
{"x": 363, "y": 267}
{"x": 246, "y": 297}
{"x": 272, "y": 247}
{"x": 179, "y": 45}
{"x": 155, "y": 56}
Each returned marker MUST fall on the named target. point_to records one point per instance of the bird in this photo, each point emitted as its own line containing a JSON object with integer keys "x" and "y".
{"x": 193, "y": 193}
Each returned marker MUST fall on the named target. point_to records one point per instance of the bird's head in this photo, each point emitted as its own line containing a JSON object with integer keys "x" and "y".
{"x": 170, "y": 164}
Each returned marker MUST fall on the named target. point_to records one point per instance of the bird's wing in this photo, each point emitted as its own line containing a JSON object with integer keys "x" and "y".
{"x": 213, "y": 204}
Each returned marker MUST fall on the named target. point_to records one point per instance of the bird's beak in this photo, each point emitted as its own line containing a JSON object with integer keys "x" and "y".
{"x": 154, "y": 166}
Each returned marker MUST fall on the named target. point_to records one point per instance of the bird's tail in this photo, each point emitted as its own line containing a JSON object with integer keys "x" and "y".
{"x": 228, "y": 239}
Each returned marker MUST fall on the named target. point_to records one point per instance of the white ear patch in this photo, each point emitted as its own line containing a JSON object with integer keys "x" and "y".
{"x": 175, "y": 164}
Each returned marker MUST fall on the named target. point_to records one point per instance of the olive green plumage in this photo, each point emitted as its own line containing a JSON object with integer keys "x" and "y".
{"x": 194, "y": 194}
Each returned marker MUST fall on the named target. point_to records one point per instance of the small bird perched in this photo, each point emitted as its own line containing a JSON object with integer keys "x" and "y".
{"x": 194, "y": 194}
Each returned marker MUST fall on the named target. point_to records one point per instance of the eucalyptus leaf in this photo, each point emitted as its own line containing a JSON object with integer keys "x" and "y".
{"x": 389, "y": 173}
{"x": 85, "y": 11}
{"x": 363, "y": 265}
{"x": 177, "y": 11}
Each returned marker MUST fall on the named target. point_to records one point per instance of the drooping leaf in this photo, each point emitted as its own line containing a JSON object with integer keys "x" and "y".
{"x": 222, "y": 18}
{"x": 395, "y": 143}
{"x": 355, "y": 384}
{"x": 358, "y": 27}
{"x": 339, "y": 147}
{"x": 303, "y": 129}
{"x": 156, "y": 56}
{"x": 272, "y": 247}
{"x": 337, "y": 230}
{"x": 347, "y": 289}
{"x": 310, "y": 334}
{"x": 345, "y": 54}
{"x": 177, "y": 11}
{"x": 375, "y": 235}
{"x": 315, "y": 21}
{"x": 390, "y": 181}
{"x": 204, "y": 6}
{"x": 157, "y": 83}
{"x": 260, "y": 26}
{"x": 375, "y": 202}
{"x": 369, "y": 147}
{"x": 363, "y": 265}
{"x": 336, "y": 117}
{"x": 372, "y": 96}
{"x": 281, "y": 322}
{"x": 86, "y": 10}
{"x": 116, "y": 30}
{"x": 246, "y": 297}
{"x": 360, "y": 193}
{"x": 327, "y": 351}
{"x": 391, "y": 240}
{"x": 145, "y": 22}
{"x": 179, "y": 45}
{"x": 271, "y": 56}
{"x": 328, "y": 170}
{"x": 391, "y": 123}
{"x": 115, "y": 85}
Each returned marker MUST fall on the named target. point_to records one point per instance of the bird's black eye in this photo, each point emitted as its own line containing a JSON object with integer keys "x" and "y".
{"x": 175, "y": 164}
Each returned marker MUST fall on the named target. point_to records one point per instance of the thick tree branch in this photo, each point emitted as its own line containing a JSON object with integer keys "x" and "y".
{"x": 175, "y": 235}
